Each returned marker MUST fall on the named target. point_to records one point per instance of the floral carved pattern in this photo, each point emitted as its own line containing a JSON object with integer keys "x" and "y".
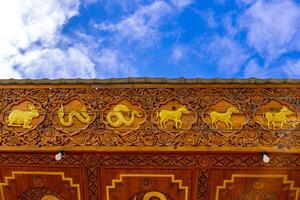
{"x": 249, "y": 127}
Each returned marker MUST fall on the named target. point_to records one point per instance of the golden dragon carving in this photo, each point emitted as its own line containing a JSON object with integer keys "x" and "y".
{"x": 82, "y": 116}
{"x": 116, "y": 118}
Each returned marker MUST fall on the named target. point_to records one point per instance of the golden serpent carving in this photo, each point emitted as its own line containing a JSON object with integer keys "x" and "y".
{"x": 166, "y": 115}
{"x": 223, "y": 117}
{"x": 118, "y": 113}
{"x": 22, "y": 118}
{"x": 279, "y": 117}
{"x": 82, "y": 116}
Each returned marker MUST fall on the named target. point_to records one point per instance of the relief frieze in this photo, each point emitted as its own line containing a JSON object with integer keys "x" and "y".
{"x": 152, "y": 117}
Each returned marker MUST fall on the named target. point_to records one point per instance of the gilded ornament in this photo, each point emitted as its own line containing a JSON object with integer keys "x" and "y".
{"x": 166, "y": 115}
{"x": 278, "y": 117}
{"x": 82, "y": 116}
{"x": 153, "y": 194}
{"x": 223, "y": 117}
{"x": 22, "y": 118}
{"x": 49, "y": 197}
{"x": 116, "y": 117}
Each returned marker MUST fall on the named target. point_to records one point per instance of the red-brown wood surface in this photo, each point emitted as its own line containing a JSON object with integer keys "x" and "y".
{"x": 131, "y": 176}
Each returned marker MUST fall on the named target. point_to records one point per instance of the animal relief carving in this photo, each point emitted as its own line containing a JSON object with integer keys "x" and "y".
{"x": 166, "y": 115}
{"x": 223, "y": 117}
{"x": 116, "y": 117}
{"x": 22, "y": 118}
{"x": 81, "y": 115}
{"x": 278, "y": 117}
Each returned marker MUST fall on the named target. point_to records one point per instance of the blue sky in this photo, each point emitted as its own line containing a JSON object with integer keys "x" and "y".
{"x": 155, "y": 38}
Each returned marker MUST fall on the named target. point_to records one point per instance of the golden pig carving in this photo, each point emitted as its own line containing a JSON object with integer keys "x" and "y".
{"x": 22, "y": 118}
{"x": 116, "y": 118}
{"x": 223, "y": 117}
{"x": 82, "y": 116}
{"x": 278, "y": 117}
{"x": 166, "y": 115}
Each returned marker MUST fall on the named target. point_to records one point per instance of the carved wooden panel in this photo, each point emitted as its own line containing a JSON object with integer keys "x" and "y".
{"x": 142, "y": 142}
{"x": 171, "y": 116}
{"x": 123, "y": 176}
{"x": 255, "y": 184}
{"x": 31, "y": 183}
{"x": 136, "y": 184}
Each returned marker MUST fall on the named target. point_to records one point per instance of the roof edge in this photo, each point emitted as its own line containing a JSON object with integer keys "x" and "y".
{"x": 147, "y": 80}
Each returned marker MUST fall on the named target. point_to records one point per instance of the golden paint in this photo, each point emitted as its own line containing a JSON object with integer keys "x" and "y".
{"x": 22, "y": 118}
{"x": 215, "y": 117}
{"x": 172, "y": 176}
{"x": 62, "y": 174}
{"x": 285, "y": 181}
{"x": 49, "y": 197}
{"x": 118, "y": 113}
{"x": 278, "y": 117}
{"x": 82, "y": 116}
{"x": 173, "y": 115}
{"x": 159, "y": 195}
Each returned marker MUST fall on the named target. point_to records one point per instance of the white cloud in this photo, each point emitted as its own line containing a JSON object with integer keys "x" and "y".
{"x": 178, "y": 53}
{"x": 143, "y": 25}
{"x": 182, "y": 3}
{"x": 31, "y": 39}
{"x": 292, "y": 68}
{"x": 56, "y": 63}
{"x": 271, "y": 27}
{"x": 112, "y": 63}
{"x": 253, "y": 69}
{"x": 244, "y": 2}
{"x": 227, "y": 54}
{"x": 31, "y": 29}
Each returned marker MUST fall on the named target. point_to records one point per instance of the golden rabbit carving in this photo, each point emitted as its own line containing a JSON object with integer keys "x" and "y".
{"x": 22, "y": 118}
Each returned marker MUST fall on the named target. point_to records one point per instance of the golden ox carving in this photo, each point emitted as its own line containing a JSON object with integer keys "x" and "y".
{"x": 166, "y": 115}
{"x": 223, "y": 117}
{"x": 22, "y": 118}
{"x": 278, "y": 117}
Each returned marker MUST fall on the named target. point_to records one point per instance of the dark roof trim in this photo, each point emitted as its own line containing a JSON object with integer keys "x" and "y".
{"x": 146, "y": 80}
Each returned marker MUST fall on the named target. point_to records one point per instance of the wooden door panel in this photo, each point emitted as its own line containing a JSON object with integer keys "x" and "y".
{"x": 39, "y": 183}
{"x": 140, "y": 184}
{"x": 256, "y": 184}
